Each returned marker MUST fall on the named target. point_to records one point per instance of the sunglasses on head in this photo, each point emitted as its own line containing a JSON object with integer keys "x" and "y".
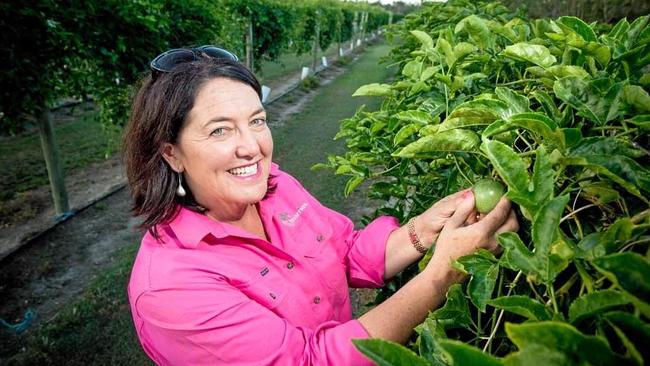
{"x": 167, "y": 60}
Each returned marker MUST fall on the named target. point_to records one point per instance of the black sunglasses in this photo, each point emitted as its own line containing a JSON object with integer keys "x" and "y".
{"x": 167, "y": 60}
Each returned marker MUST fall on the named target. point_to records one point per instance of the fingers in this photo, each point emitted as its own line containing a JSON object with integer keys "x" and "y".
{"x": 472, "y": 218}
{"x": 447, "y": 206}
{"x": 511, "y": 224}
{"x": 495, "y": 218}
{"x": 464, "y": 208}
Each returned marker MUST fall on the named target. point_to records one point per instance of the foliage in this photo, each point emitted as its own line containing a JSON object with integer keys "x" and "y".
{"x": 558, "y": 110}
{"x": 50, "y": 53}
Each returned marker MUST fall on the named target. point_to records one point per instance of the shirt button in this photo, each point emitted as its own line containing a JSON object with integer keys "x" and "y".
{"x": 317, "y": 300}
{"x": 290, "y": 265}
{"x": 319, "y": 238}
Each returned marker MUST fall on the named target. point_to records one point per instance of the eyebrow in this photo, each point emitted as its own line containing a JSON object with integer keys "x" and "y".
{"x": 228, "y": 119}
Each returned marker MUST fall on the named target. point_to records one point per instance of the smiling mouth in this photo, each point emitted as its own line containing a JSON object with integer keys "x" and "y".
{"x": 244, "y": 171}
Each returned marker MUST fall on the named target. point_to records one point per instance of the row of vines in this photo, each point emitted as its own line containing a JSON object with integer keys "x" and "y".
{"x": 55, "y": 50}
{"x": 559, "y": 111}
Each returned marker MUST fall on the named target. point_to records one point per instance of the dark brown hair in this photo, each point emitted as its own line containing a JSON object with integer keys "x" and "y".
{"x": 160, "y": 109}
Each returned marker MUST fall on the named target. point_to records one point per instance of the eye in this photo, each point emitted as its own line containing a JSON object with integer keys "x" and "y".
{"x": 219, "y": 131}
{"x": 258, "y": 122}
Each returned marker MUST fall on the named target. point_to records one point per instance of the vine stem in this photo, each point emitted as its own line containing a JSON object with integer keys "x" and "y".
{"x": 496, "y": 326}
{"x": 551, "y": 291}
{"x": 576, "y": 211}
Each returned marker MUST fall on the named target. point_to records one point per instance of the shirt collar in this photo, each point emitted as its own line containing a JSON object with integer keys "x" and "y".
{"x": 191, "y": 227}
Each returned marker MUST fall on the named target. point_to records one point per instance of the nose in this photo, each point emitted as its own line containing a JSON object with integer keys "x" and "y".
{"x": 248, "y": 145}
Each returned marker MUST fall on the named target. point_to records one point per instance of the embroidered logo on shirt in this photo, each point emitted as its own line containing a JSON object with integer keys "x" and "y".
{"x": 290, "y": 220}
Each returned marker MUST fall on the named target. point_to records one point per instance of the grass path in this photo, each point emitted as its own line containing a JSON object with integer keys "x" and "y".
{"x": 96, "y": 328}
{"x": 307, "y": 138}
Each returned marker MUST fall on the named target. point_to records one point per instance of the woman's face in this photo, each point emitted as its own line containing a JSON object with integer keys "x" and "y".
{"x": 224, "y": 149}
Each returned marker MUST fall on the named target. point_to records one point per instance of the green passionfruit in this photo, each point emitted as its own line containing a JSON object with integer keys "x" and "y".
{"x": 487, "y": 193}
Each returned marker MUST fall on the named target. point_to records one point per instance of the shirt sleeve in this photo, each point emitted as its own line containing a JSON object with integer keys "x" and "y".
{"x": 221, "y": 325}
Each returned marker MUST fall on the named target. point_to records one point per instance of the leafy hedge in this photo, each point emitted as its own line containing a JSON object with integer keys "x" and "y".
{"x": 559, "y": 111}
{"x": 58, "y": 49}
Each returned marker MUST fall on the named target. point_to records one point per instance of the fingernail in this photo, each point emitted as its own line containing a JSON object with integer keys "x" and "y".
{"x": 467, "y": 194}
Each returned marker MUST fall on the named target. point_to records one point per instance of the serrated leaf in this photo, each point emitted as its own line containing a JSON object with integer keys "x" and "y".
{"x": 579, "y": 27}
{"x": 423, "y": 37}
{"x": 450, "y": 141}
{"x": 351, "y": 184}
{"x": 484, "y": 270}
{"x": 543, "y": 177}
{"x": 630, "y": 272}
{"x": 533, "y": 53}
{"x": 374, "y": 90}
{"x": 515, "y": 101}
{"x": 455, "y": 312}
{"x": 385, "y": 353}
{"x": 420, "y": 117}
{"x": 600, "y": 106}
{"x": 557, "y": 343}
{"x": 522, "y": 305}
{"x": 463, "y": 354}
{"x": 508, "y": 164}
{"x": 594, "y": 303}
{"x": 638, "y": 98}
{"x": 634, "y": 329}
{"x": 405, "y": 132}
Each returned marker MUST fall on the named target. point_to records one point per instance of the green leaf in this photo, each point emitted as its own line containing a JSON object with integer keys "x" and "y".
{"x": 596, "y": 167}
{"x": 547, "y": 103}
{"x": 630, "y": 272}
{"x": 462, "y": 49}
{"x": 557, "y": 343}
{"x": 444, "y": 48}
{"x": 405, "y": 132}
{"x": 561, "y": 71}
{"x": 508, "y": 164}
{"x": 515, "y": 101}
{"x": 477, "y": 30}
{"x": 385, "y": 353}
{"x": 543, "y": 173}
{"x": 533, "y": 53}
{"x": 642, "y": 121}
{"x": 467, "y": 117}
{"x": 638, "y": 98}
{"x": 374, "y": 90}
{"x": 484, "y": 269}
{"x": 351, "y": 184}
{"x": 455, "y": 312}
{"x": 429, "y": 333}
{"x": 591, "y": 102}
{"x": 450, "y": 141}
{"x": 522, "y": 305}
{"x": 637, "y": 332}
{"x": 595, "y": 303}
{"x": 423, "y": 37}
{"x": 463, "y": 354}
{"x": 600, "y": 145}
{"x": 538, "y": 123}
{"x": 579, "y": 27}
{"x": 546, "y": 223}
{"x": 420, "y": 117}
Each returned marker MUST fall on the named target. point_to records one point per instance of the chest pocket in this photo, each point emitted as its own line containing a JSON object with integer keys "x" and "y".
{"x": 267, "y": 287}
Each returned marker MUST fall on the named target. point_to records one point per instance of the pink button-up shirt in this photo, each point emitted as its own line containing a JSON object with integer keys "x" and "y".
{"x": 211, "y": 293}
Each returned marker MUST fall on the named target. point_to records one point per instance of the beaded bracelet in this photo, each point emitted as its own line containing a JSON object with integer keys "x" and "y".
{"x": 415, "y": 240}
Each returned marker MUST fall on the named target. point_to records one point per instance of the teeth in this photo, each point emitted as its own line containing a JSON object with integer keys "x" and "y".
{"x": 244, "y": 171}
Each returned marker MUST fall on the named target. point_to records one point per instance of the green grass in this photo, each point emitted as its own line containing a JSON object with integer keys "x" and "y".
{"x": 289, "y": 63}
{"x": 97, "y": 329}
{"x": 307, "y": 138}
{"x": 81, "y": 141}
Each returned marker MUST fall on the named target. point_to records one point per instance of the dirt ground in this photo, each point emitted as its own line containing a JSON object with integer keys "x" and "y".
{"x": 55, "y": 266}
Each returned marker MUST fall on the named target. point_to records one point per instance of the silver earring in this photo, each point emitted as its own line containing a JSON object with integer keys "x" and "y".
{"x": 180, "y": 191}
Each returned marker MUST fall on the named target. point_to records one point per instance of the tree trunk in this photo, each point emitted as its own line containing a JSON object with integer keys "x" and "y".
{"x": 249, "y": 43}
{"x": 316, "y": 46}
{"x": 52, "y": 161}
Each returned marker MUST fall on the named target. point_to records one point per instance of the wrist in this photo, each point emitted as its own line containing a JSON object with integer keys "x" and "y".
{"x": 426, "y": 233}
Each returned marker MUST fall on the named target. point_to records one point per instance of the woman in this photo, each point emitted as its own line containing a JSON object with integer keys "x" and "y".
{"x": 240, "y": 265}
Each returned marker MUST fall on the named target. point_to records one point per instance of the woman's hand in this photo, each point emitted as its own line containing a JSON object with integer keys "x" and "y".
{"x": 462, "y": 234}
{"x": 429, "y": 223}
